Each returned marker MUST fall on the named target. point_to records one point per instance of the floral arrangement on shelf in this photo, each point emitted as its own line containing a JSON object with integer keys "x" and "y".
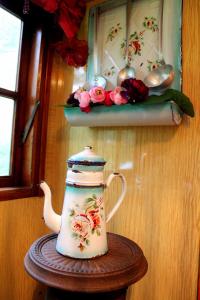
{"x": 132, "y": 91}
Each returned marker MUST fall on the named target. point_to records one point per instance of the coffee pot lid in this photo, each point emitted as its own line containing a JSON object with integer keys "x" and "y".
{"x": 86, "y": 158}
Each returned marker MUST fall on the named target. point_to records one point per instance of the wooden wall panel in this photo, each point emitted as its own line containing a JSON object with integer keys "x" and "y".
{"x": 57, "y": 135}
{"x": 161, "y": 211}
{"x": 21, "y": 224}
{"x": 21, "y": 220}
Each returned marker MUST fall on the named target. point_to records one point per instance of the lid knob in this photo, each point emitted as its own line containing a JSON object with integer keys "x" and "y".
{"x": 88, "y": 147}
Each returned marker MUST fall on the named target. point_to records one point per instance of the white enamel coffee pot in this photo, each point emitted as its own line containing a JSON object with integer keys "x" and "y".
{"x": 82, "y": 226}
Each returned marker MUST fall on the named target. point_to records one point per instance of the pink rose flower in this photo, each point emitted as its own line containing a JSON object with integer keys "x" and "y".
{"x": 84, "y": 99}
{"x": 116, "y": 97}
{"x": 81, "y": 225}
{"x": 78, "y": 92}
{"x": 95, "y": 218}
{"x": 97, "y": 94}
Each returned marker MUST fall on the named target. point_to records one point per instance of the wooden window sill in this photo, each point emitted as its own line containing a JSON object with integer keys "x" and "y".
{"x": 10, "y": 193}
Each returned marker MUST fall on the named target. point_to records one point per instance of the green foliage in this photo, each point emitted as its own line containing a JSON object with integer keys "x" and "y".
{"x": 89, "y": 200}
{"x": 72, "y": 212}
{"x": 98, "y": 232}
{"x": 74, "y": 235}
{"x": 87, "y": 242}
{"x": 178, "y": 97}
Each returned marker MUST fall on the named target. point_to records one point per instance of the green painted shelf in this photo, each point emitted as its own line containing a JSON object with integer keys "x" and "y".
{"x": 164, "y": 114}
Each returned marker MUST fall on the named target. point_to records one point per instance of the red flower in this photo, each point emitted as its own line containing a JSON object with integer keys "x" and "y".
{"x": 86, "y": 109}
{"x": 108, "y": 101}
{"x": 48, "y": 5}
{"x": 95, "y": 218}
{"x": 74, "y": 52}
{"x": 136, "y": 46}
{"x": 70, "y": 13}
{"x": 136, "y": 90}
{"x": 96, "y": 221}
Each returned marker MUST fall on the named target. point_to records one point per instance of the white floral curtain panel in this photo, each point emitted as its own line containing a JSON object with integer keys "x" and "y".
{"x": 147, "y": 31}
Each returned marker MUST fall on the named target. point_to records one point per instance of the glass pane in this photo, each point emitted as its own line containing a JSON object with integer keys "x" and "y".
{"x": 6, "y": 126}
{"x": 10, "y": 42}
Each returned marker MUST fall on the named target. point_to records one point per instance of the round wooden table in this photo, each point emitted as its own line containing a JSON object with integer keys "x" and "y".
{"x": 107, "y": 276}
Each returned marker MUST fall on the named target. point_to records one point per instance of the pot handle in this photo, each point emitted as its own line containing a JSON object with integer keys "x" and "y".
{"x": 120, "y": 199}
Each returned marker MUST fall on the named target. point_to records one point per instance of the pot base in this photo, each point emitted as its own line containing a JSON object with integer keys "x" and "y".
{"x": 80, "y": 255}
{"x": 92, "y": 257}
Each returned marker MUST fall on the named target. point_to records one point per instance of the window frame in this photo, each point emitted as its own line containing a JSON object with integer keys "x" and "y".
{"x": 28, "y": 165}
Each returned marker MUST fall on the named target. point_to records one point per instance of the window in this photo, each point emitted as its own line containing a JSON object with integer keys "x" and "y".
{"x": 25, "y": 58}
{"x": 6, "y": 129}
{"x": 10, "y": 45}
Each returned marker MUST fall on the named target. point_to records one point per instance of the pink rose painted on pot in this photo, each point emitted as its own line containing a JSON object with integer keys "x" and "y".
{"x": 84, "y": 99}
{"x": 94, "y": 218}
{"x": 87, "y": 223}
{"x": 81, "y": 225}
{"x": 116, "y": 97}
{"x": 97, "y": 94}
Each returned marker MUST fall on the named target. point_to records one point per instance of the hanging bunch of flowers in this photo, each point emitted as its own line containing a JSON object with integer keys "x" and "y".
{"x": 68, "y": 15}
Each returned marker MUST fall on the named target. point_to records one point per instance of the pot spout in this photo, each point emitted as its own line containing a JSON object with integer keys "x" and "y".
{"x": 52, "y": 220}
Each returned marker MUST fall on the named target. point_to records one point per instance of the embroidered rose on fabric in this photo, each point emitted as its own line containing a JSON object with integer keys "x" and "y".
{"x": 109, "y": 72}
{"x": 135, "y": 44}
{"x": 150, "y": 23}
{"x": 113, "y": 32}
{"x": 152, "y": 65}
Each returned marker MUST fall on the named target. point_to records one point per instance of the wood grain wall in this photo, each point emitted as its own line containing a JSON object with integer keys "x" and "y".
{"x": 161, "y": 211}
{"x": 21, "y": 220}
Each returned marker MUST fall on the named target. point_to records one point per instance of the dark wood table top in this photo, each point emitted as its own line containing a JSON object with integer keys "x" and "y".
{"x": 123, "y": 265}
